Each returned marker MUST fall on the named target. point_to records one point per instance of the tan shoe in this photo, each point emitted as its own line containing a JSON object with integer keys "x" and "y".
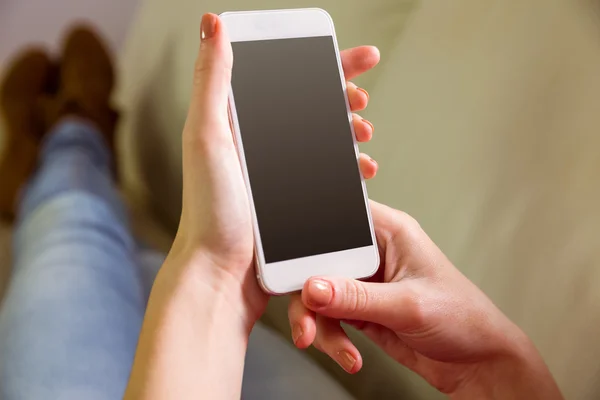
{"x": 87, "y": 79}
{"x": 28, "y": 80}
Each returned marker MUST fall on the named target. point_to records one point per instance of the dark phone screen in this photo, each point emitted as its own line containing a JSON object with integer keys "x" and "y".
{"x": 298, "y": 146}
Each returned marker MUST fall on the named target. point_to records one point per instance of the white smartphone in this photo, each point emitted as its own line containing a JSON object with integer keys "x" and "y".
{"x": 293, "y": 130}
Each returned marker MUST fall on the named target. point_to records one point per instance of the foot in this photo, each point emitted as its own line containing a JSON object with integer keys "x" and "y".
{"x": 87, "y": 79}
{"x": 23, "y": 90}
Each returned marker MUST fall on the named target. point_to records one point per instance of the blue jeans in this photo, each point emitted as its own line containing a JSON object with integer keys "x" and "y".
{"x": 71, "y": 317}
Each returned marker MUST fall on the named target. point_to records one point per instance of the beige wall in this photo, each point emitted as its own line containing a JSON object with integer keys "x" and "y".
{"x": 486, "y": 117}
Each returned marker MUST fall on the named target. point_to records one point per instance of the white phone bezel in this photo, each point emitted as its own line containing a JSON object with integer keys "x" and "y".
{"x": 290, "y": 275}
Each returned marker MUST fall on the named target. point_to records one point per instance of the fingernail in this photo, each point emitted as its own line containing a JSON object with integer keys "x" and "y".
{"x": 374, "y": 162}
{"x": 319, "y": 293}
{"x": 297, "y": 333}
{"x": 346, "y": 360}
{"x": 364, "y": 91}
{"x": 370, "y": 124}
{"x": 209, "y": 26}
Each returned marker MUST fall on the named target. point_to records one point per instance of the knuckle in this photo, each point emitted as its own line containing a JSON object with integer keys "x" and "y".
{"x": 295, "y": 307}
{"x": 204, "y": 66}
{"x": 199, "y": 69}
{"x": 325, "y": 344}
{"x": 290, "y": 309}
{"x": 406, "y": 220}
{"x": 356, "y": 297}
{"x": 412, "y": 310}
{"x": 408, "y": 228}
{"x": 319, "y": 345}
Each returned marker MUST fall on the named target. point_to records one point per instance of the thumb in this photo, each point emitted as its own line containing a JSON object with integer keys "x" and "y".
{"x": 212, "y": 79}
{"x": 388, "y": 304}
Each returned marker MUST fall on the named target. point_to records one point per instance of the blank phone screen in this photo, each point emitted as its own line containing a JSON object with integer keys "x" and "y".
{"x": 299, "y": 149}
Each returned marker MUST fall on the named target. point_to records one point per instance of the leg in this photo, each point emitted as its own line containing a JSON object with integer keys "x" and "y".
{"x": 150, "y": 262}
{"x": 70, "y": 321}
{"x": 276, "y": 370}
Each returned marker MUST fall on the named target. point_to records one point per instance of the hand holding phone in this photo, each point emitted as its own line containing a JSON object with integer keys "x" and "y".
{"x": 216, "y": 222}
{"x": 206, "y": 299}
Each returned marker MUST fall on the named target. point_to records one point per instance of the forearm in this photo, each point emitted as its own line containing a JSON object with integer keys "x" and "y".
{"x": 522, "y": 375}
{"x": 193, "y": 342}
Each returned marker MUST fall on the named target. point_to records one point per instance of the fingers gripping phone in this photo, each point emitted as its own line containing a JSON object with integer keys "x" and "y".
{"x": 293, "y": 130}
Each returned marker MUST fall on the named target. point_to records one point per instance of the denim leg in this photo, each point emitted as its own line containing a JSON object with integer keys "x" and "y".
{"x": 150, "y": 262}
{"x": 276, "y": 370}
{"x": 71, "y": 317}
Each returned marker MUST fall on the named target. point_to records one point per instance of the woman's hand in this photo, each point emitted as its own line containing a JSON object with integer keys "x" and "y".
{"x": 215, "y": 242}
{"x": 426, "y": 315}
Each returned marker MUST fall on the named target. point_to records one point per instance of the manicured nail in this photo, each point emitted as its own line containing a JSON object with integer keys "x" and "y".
{"x": 346, "y": 360}
{"x": 370, "y": 124}
{"x": 297, "y": 333}
{"x": 209, "y": 26}
{"x": 319, "y": 293}
{"x": 364, "y": 91}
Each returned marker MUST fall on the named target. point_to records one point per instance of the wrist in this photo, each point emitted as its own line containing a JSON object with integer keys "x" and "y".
{"x": 518, "y": 373}
{"x": 193, "y": 277}
{"x": 192, "y": 321}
